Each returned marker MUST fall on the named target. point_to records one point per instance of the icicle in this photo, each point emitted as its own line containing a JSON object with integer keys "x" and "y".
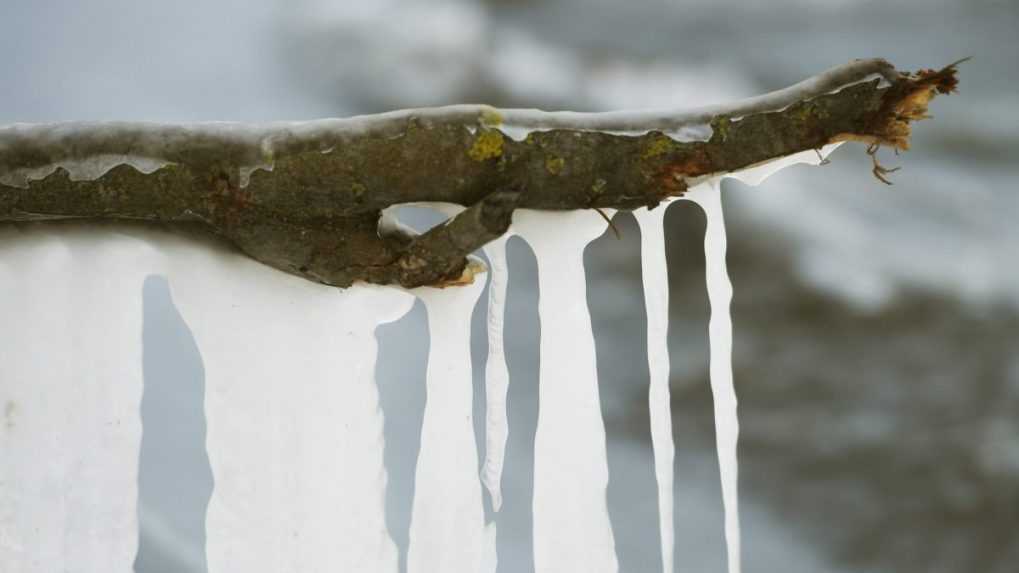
{"x": 447, "y": 529}
{"x": 656, "y": 301}
{"x": 70, "y": 393}
{"x": 572, "y": 531}
{"x": 294, "y": 425}
{"x": 708, "y": 196}
{"x": 496, "y": 373}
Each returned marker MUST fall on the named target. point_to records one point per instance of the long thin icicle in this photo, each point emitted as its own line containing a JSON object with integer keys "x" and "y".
{"x": 294, "y": 425}
{"x": 447, "y": 528}
{"x": 654, "y": 272}
{"x": 496, "y": 373}
{"x": 572, "y": 531}
{"x": 70, "y": 393}
{"x": 708, "y": 196}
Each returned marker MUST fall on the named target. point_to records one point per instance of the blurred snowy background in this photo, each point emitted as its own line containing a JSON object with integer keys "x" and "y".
{"x": 876, "y": 328}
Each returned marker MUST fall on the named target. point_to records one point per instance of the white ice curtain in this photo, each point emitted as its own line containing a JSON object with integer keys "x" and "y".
{"x": 294, "y": 433}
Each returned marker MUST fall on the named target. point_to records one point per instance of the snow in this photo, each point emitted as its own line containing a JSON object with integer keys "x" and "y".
{"x": 572, "y": 531}
{"x": 447, "y": 529}
{"x": 656, "y": 303}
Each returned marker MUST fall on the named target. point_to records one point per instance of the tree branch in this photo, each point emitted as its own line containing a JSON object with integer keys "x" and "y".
{"x": 307, "y": 197}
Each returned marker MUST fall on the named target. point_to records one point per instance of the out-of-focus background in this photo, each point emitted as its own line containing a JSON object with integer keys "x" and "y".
{"x": 876, "y": 328}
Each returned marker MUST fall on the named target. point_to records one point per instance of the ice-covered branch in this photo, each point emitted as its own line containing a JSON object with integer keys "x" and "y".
{"x": 307, "y": 197}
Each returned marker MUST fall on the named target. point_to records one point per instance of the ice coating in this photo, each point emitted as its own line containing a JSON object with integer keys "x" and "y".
{"x": 447, "y": 528}
{"x": 30, "y": 151}
{"x": 708, "y": 196}
{"x": 294, "y": 425}
{"x": 85, "y": 169}
{"x": 654, "y": 273}
{"x": 756, "y": 174}
{"x": 70, "y": 398}
{"x": 572, "y": 531}
{"x": 496, "y": 373}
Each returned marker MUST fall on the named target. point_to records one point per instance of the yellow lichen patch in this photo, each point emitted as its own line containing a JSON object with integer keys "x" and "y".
{"x": 660, "y": 146}
{"x": 555, "y": 165}
{"x": 490, "y": 117}
{"x": 487, "y": 145}
{"x": 720, "y": 128}
{"x": 807, "y": 111}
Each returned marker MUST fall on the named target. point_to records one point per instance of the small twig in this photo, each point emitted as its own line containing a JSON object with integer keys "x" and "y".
{"x": 879, "y": 171}
{"x": 822, "y": 159}
{"x": 608, "y": 220}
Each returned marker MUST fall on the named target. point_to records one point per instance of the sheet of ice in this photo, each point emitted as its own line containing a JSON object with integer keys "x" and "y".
{"x": 496, "y": 373}
{"x": 294, "y": 425}
{"x": 708, "y": 196}
{"x": 654, "y": 272}
{"x": 572, "y": 531}
{"x": 70, "y": 393}
{"x": 447, "y": 528}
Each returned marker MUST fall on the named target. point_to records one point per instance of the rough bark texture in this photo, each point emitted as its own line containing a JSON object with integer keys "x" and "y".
{"x": 316, "y": 212}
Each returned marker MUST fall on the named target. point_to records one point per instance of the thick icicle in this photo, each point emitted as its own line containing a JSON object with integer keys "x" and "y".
{"x": 708, "y": 196}
{"x": 572, "y": 531}
{"x": 496, "y": 373}
{"x": 447, "y": 529}
{"x": 294, "y": 425}
{"x": 70, "y": 392}
{"x": 656, "y": 302}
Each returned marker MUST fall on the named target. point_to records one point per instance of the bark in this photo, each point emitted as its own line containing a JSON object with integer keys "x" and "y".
{"x": 307, "y": 198}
